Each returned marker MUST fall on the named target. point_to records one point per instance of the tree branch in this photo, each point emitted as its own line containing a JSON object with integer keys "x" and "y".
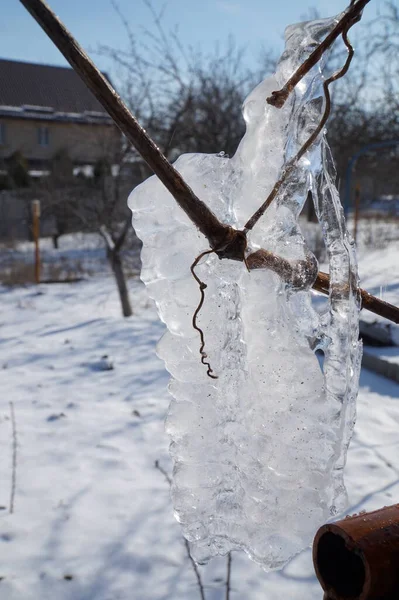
{"x": 226, "y": 241}
{"x": 228, "y": 576}
{"x": 290, "y": 166}
{"x": 368, "y": 301}
{"x": 216, "y": 233}
{"x": 186, "y": 543}
{"x": 351, "y": 16}
{"x": 122, "y": 236}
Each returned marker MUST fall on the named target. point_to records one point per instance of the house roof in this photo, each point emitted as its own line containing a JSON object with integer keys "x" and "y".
{"x": 42, "y": 91}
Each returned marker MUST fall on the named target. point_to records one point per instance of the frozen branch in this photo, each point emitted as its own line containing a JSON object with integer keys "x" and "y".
{"x": 351, "y": 16}
{"x": 224, "y": 240}
{"x": 196, "y": 210}
{"x": 292, "y": 164}
{"x": 368, "y": 301}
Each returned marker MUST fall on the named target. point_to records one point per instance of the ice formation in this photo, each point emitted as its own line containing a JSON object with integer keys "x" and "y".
{"x": 259, "y": 452}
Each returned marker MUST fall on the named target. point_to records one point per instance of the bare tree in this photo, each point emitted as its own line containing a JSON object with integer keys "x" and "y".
{"x": 366, "y": 104}
{"x": 96, "y": 202}
{"x": 187, "y": 100}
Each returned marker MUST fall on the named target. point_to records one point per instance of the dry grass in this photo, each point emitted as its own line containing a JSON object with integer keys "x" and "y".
{"x": 377, "y": 231}
{"x": 22, "y": 273}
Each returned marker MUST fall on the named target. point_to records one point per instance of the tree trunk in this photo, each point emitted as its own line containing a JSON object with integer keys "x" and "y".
{"x": 116, "y": 265}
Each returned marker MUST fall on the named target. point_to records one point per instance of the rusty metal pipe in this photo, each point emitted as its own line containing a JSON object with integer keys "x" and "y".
{"x": 358, "y": 558}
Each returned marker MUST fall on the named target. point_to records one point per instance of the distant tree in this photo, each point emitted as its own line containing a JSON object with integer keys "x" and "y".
{"x": 191, "y": 102}
{"x": 18, "y": 170}
{"x": 59, "y": 180}
{"x": 107, "y": 212}
{"x": 5, "y": 179}
{"x": 366, "y": 102}
{"x": 95, "y": 203}
{"x": 187, "y": 100}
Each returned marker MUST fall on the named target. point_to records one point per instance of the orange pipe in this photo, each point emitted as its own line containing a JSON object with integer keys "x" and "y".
{"x": 358, "y": 558}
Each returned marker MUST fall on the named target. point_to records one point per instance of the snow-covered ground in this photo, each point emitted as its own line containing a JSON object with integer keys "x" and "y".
{"x": 92, "y": 516}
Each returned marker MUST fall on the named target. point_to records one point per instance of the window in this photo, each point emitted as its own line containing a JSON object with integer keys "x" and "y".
{"x": 2, "y": 134}
{"x": 43, "y": 136}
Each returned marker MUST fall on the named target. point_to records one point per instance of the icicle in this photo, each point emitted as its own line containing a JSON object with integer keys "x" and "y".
{"x": 258, "y": 452}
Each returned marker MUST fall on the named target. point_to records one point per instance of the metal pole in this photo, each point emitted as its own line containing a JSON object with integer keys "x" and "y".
{"x": 36, "y": 236}
{"x": 357, "y": 211}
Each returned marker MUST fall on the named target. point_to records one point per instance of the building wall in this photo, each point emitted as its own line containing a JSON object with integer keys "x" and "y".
{"x": 84, "y": 143}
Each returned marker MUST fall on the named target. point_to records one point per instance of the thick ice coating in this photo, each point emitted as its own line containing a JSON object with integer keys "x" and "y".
{"x": 259, "y": 452}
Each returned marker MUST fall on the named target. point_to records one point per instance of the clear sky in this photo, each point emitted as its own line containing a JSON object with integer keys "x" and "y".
{"x": 252, "y": 22}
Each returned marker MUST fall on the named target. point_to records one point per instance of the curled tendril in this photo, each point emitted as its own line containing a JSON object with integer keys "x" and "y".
{"x": 290, "y": 166}
{"x": 202, "y": 287}
{"x": 287, "y": 171}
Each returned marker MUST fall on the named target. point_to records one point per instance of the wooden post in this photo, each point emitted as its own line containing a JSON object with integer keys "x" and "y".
{"x": 357, "y": 211}
{"x": 36, "y": 236}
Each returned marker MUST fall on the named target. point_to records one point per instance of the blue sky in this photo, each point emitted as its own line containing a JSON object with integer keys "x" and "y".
{"x": 252, "y": 22}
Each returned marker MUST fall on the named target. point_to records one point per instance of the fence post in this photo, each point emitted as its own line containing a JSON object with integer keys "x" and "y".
{"x": 36, "y": 236}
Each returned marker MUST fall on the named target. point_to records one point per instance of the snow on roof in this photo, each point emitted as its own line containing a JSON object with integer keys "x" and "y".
{"x": 40, "y": 87}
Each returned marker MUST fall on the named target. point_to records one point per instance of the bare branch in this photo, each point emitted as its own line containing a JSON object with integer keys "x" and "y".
{"x": 198, "y": 212}
{"x": 196, "y": 571}
{"x": 351, "y": 16}
{"x": 186, "y": 543}
{"x": 162, "y": 470}
{"x": 122, "y": 236}
{"x": 107, "y": 237}
{"x": 226, "y": 241}
{"x": 296, "y": 272}
{"x": 369, "y": 302}
{"x": 228, "y": 578}
{"x": 289, "y": 167}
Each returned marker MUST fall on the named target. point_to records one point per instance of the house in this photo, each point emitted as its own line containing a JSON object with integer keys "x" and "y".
{"x": 45, "y": 110}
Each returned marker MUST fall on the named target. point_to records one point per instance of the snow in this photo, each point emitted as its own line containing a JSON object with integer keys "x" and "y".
{"x": 259, "y": 446}
{"x": 79, "y": 255}
{"x": 389, "y": 354}
{"x": 89, "y": 503}
{"x": 371, "y": 276}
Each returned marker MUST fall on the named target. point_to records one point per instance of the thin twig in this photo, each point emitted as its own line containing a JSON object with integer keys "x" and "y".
{"x": 290, "y": 166}
{"x": 120, "y": 240}
{"x": 352, "y": 15}
{"x": 228, "y": 577}
{"x": 162, "y": 470}
{"x": 14, "y": 458}
{"x": 195, "y": 569}
{"x": 186, "y": 543}
{"x": 202, "y": 287}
